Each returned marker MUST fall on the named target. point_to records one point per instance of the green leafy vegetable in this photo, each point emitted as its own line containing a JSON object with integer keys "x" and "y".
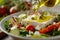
{"x": 23, "y": 32}
{"x": 56, "y": 33}
{"x": 6, "y": 24}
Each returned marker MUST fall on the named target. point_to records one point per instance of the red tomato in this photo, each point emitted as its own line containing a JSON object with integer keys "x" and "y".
{"x": 48, "y": 29}
{"x": 30, "y": 28}
{"x": 3, "y": 10}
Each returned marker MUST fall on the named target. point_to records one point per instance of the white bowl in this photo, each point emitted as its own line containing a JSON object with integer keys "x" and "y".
{"x": 19, "y": 37}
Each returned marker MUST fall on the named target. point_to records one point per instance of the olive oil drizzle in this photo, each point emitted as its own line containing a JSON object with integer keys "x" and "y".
{"x": 48, "y": 3}
{"x": 40, "y": 4}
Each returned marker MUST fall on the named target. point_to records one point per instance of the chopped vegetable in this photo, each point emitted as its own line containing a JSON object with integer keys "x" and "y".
{"x": 23, "y": 32}
{"x": 15, "y": 32}
{"x": 6, "y": 24}
{"x": 30, "y": 28}
{"x": 40, "y": 36}
{"x": 48, "y": 29}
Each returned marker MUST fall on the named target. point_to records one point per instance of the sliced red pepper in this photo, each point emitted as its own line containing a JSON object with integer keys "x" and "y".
{"x": 30, "y": 28}
{"x": 48, "y": 29}
{"x": 58, "y": 25}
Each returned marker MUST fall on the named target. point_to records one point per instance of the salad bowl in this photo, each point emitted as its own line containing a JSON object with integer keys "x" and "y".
{"x": 25, "y": 38}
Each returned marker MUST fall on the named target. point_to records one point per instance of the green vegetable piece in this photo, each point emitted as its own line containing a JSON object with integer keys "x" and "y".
{"x": 23, "y": 32}
{"x": 6, "y": 24}
{"x": 15, "y": 32}
{"x": 56, "y": 33}
{"x": 10, "y": 20}
{"x": 39, "y": 36}
{"x": 36, "y": 36}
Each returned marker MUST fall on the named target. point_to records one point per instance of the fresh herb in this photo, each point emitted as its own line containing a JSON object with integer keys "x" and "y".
{"x": 6, "y": 24}
{"x": 54, "y": 33}
{"x": 23, "y": 32}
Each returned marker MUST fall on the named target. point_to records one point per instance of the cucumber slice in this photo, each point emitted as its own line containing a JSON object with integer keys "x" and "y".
{"x": 40, "y": 36}
{"x": 15, "y": 32}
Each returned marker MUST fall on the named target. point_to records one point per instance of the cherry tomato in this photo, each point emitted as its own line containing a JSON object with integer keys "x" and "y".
{"x": 30, "y": 28}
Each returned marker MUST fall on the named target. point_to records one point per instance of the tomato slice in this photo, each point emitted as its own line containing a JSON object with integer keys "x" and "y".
{"x": 30, "y": 28}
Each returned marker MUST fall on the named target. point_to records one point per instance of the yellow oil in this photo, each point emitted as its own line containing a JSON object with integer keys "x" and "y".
{"x": 46, "y": 18}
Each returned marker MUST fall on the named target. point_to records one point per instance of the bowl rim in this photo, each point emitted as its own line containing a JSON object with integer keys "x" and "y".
{"x": 4, "y": 19}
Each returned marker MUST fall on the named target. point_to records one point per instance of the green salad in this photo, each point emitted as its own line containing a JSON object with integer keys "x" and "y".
{"x": 34, "y": 25}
